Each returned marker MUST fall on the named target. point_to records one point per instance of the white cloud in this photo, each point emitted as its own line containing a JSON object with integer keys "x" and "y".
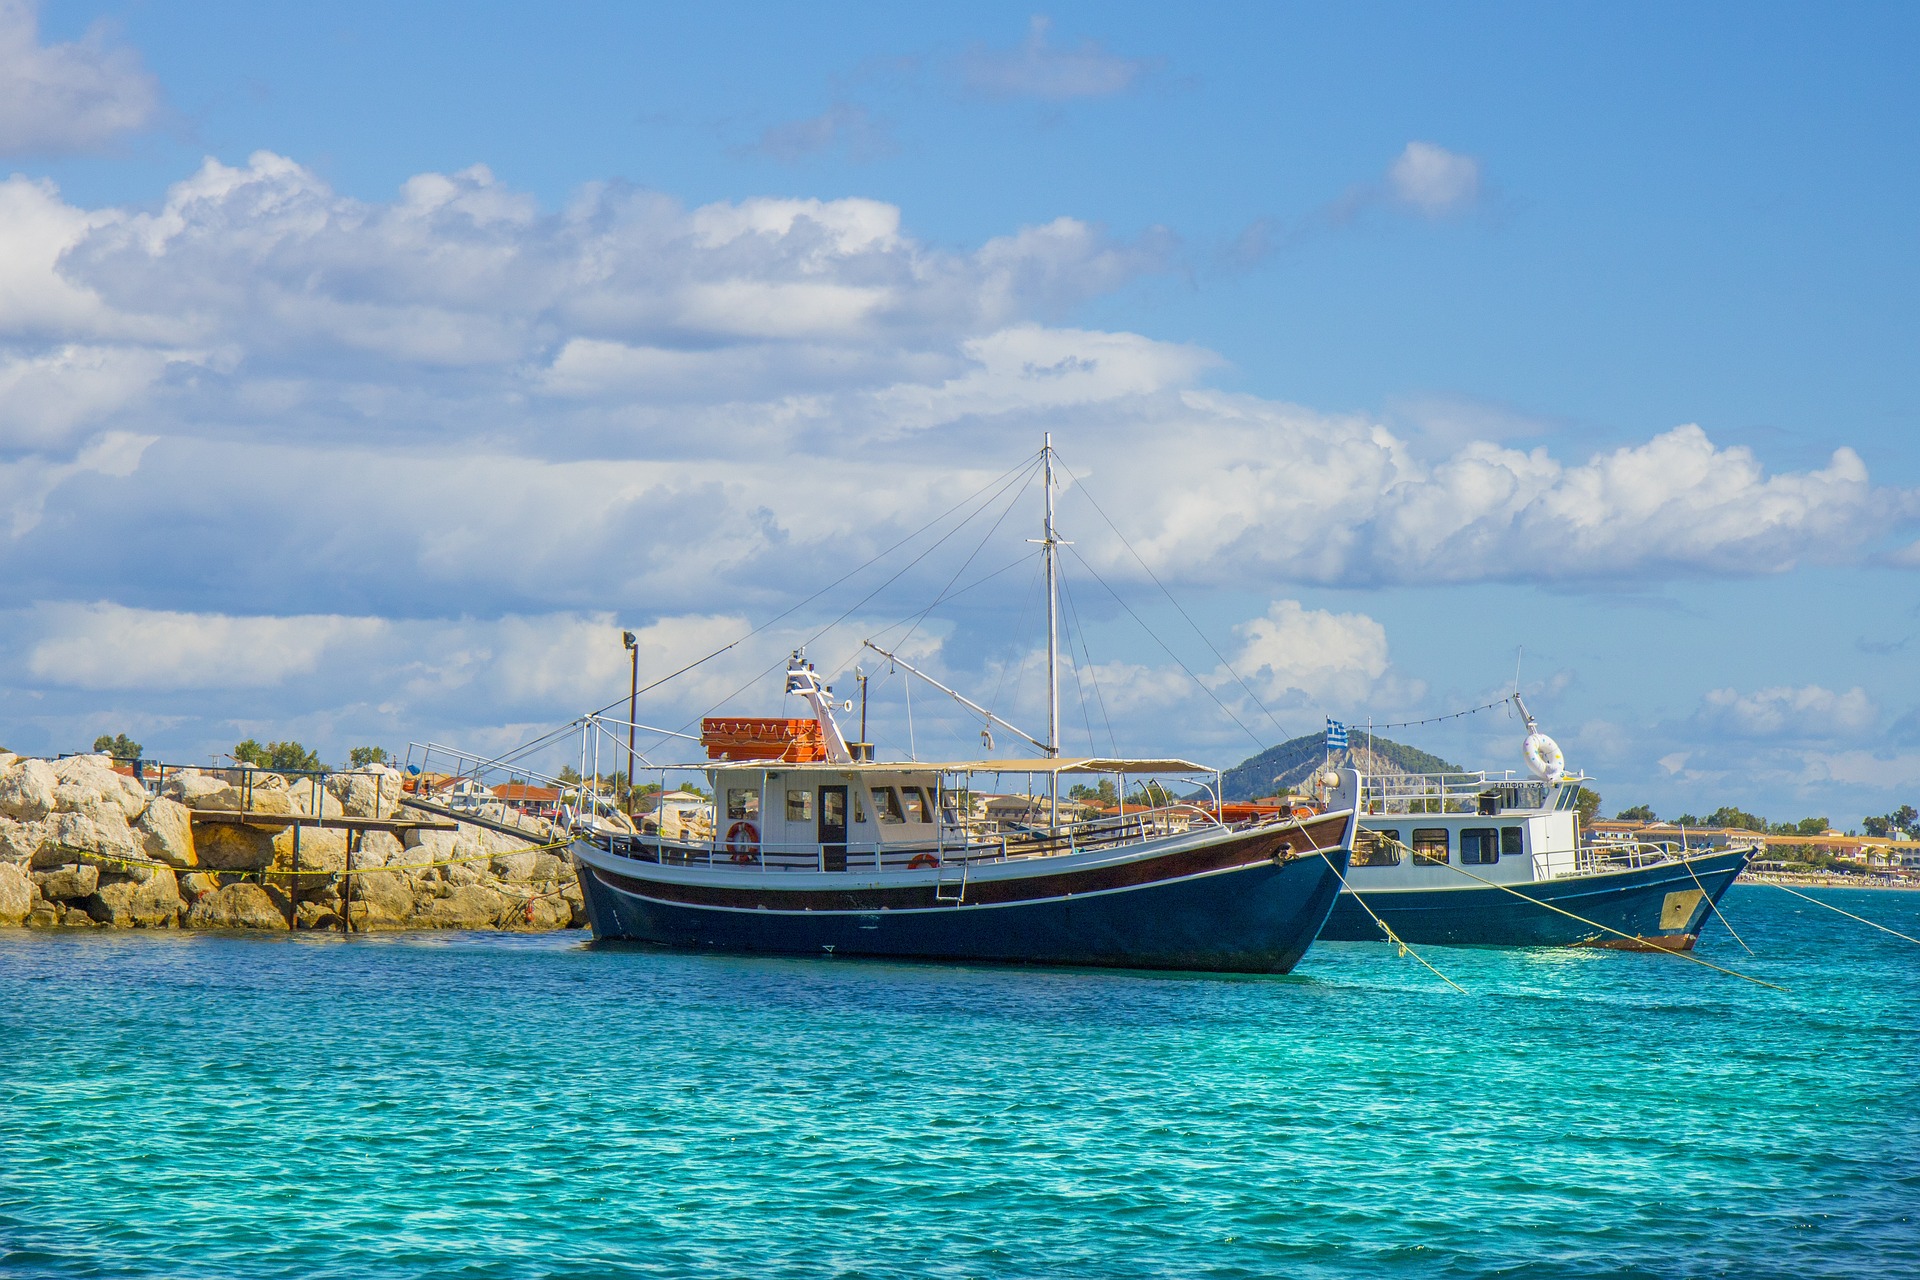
{"x": 1808, "y": 711}
{"x": 1036, "y": 69}
{"x": 1433, "y": 179}
{"x": 28, "y": 483}
{"x": 109, "y": 646}
{"x": 44, "y": 397}
{"x": 1336, "y": 659}
{"x": 66, "y": 97}
{"x": 520, "y": 412}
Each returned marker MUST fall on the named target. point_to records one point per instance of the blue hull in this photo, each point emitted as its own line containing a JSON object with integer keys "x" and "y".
{"x": 1255, "y": 918}
{"x": 1659, "y": 906}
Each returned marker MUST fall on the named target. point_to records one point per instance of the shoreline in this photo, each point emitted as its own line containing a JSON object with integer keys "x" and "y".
{"x": 1828, "y": 882}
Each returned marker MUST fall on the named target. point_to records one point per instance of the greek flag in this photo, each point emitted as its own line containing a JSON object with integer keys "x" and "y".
{"x": 1336, "y": 735}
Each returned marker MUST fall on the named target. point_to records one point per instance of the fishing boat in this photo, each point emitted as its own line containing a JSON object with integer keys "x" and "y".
{"x": 1500, "y": 859}
{"x": 818, "y": 848}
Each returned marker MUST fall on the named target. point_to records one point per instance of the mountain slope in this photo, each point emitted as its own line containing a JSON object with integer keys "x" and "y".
{"x": 1291, "y": 764}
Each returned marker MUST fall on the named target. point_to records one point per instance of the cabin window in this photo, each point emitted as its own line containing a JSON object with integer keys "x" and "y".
{"x": 1479, "y": 844}
{"x": 742, "y": 802}
{"x": 1513, "y": 840}
{"x": 1430, "y": 846}
{"x": 886, "y": 803}
{"x": 1377, "y": 848}
{"x": 799, "y": 806}
{"x": 915, "y": 802}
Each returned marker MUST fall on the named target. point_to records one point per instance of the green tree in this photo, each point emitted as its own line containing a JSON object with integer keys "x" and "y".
{"x": 1904, "y": 818}
{"x": 569, "y": 774}
{"x": 1688, "y": 820}
{"x": 1729, "y": 816}
{"x": 1877, "y": 826}
{"x": 289, "y": 756}
{"x": 1104, "y": 794}
{"x": 1151, "y": 796}
{"x": 1588, "y": 803}
{"x": 119, "y": 746}
{"x": 1638, "y": 813}
{"x": 360, "y": 757}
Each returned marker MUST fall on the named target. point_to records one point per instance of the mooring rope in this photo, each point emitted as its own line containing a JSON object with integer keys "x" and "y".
{"x": 1848, "y": 914}
{"x": 1595, "y": 924}
{"x": 1718, "y": 914}
{"x": 1395, "y": 938}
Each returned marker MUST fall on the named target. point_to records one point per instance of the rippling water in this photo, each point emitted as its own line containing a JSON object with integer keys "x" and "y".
{"x": 478, "y": 1106}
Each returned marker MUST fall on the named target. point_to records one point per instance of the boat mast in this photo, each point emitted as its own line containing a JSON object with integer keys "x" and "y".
{"x": 1048, "y": 544}
{"x": 1053, "y": 612}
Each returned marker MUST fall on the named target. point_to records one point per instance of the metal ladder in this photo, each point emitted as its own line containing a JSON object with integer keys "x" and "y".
{"x": 941, "y": 883}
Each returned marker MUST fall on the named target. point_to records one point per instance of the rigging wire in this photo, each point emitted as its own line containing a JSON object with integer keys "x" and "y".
{"x": 1169, "y": 652}
{"x": 1074, "y": 663}
{"x": 1081, "y": 486}
{"x": 851, "y": 609}
{"x": 1026, "y": 608}
{"x": 1027, "y": 464}
{"x": 978, "y": 548}
{"x": 1093, "y": 676}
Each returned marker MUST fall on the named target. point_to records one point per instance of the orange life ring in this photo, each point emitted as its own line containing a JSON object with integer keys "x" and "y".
{"x": 921, "y": 861}
{"x": 743, "y": 841}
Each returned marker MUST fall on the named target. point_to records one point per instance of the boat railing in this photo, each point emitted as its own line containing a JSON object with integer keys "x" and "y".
{"x": 1417, "y": 793}
{"x": 1606, "y": 853}
{"x": 1093, "y": 835}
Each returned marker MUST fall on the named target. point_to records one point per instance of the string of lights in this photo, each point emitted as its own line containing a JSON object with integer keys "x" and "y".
{"x": 1453, "y": 715}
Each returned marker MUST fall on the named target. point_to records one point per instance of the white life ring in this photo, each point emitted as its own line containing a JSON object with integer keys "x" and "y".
{"x": 1544, "y": 758}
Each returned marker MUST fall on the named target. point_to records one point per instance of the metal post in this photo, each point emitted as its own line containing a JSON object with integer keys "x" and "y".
{"x": 633, "y": 704}
{"x": 293, "y": 884}
{"x": 346, "y": 880}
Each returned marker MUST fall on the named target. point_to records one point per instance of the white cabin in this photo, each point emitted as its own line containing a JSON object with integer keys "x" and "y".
{"x": 1418, "y": 830}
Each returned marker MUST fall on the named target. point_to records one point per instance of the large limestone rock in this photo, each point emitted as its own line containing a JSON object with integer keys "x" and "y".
{"x": 102, "y": 830}
{"x": 321, "y": 849}
{"x": 63, "y": 884}
{"x": 16, "y": 895}
{"x": 129, "y": 904}
{"x": 372, "y": 792}
{"x": 20, "y": 841}
{"x": 253, "y": 790}
{"x": 166, "y": 833}
{"x": 525, "y": 866}
{"x": 308, "y": 796}
{"x": 226, "y": 847}
{"x": 195, "y": 884}
{"x": 87, "y": 782}
{"x": 380, "y": 849}
{"x": 468, "y": 906}
{"x": 381, "y": 900}
{"x": 237, "y": 906}
{"x": 27, "y": 791}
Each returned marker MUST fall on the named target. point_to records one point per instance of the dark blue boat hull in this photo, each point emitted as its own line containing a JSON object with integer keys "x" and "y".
{"x": 1658, "y": 906}
{"x": 1255, "y": 918}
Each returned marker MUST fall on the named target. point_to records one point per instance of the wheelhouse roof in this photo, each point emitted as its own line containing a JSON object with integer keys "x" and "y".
{"x": 1061, "y": 764}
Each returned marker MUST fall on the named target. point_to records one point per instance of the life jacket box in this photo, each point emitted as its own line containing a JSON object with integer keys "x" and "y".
{"x": 755, "y": 738}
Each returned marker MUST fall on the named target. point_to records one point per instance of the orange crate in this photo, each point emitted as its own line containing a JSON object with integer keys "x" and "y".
{"x": 752, "y": 738}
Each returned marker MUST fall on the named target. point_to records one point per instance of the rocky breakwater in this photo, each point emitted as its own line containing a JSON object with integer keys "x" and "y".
{"x": 83, "y": 846}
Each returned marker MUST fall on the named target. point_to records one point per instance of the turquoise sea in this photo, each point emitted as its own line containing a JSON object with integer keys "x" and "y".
{"x": 480, "y": 1106}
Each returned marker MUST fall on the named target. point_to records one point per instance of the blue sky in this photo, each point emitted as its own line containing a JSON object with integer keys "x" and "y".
{"x": 364, "y": 369}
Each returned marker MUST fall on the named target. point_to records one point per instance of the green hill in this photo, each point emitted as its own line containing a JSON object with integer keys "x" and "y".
{"x": 1291, "y": 764}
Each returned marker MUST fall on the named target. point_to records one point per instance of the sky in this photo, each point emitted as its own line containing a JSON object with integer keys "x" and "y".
{"x": 365, "y": 370}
